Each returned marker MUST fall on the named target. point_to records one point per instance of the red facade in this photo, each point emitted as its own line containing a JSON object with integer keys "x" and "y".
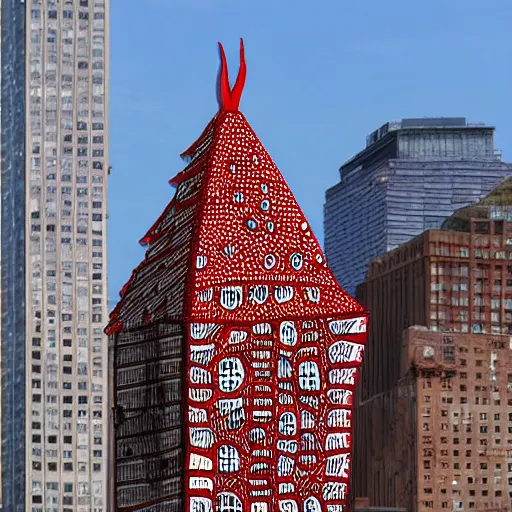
{"x": 270, "y": 344}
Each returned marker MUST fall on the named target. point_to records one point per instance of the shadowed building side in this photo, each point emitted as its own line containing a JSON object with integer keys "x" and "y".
{"x": 13, "y": 236}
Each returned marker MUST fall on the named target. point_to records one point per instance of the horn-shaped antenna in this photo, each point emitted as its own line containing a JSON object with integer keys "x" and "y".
{"x": 229, "y": 99}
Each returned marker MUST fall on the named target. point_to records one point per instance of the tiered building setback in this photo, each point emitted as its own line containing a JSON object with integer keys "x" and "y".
{"x": 411, "y": 176}
{"x": 53, "y": 246}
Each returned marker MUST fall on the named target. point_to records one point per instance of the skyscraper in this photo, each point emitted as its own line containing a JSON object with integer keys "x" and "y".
{"x": 54, "y": 100}
{"x": 411, "y": 176}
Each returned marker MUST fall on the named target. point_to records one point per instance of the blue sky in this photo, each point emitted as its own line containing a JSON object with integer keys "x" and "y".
{"x": 321, "y": 76}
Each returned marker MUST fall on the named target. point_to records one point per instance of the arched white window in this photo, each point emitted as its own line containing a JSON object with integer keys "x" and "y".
{"x": 339, "y": 418}
{"x": 288, "y": 333}
{"x": 284, "y": 368}
{"x": 308, "y": 442}
{"x": 257, "y": 435}
{"x": 228, "y": 459}
{"x": 288, "y": 506}
{"x": 288, "y": 424}
{"x": 259, "y": 507}
{"x": 285, "y": 465}
{"x": 231, "y": 374}
{"x": 228, "y": 502}
{"x": 307, "y": 420}
{"x": 312, "y": 505}
{"x": 200, "y": 505}
{"x": 309, "y": 376}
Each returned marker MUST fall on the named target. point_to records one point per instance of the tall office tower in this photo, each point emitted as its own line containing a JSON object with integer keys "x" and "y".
{"x": 234, "y": 350}
{"x": 411, "y": 176}
{"x": 54, "y": 101}
{"x": 433, "y": 424}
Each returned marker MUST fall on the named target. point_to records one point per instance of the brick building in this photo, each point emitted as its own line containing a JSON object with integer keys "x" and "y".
{"x": 442, "y": 437}
{"x": 433, "y": 423}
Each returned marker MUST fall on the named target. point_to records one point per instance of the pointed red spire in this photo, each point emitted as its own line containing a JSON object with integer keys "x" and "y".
{"x": 233, "y": 332}
{"x": 229, "y": 99}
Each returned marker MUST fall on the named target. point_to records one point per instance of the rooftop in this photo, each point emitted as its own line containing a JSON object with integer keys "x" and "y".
{"x": 380, "y": 138}
{"x": 423, "y": 123}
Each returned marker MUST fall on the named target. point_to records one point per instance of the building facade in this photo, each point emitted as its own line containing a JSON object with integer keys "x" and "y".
{"x": 53, "y": 251}
{"x": 411, "y": 176}
{"x": 444, "y": 436}
{"x": 440, "y": 394}
{"x": 234, "y": 351}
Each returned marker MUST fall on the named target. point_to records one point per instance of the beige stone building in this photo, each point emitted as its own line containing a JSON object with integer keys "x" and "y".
{"x": 54, "y": 283}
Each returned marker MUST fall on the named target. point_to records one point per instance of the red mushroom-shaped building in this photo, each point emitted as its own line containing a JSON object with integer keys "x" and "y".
{"x": 234, "y": 350}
